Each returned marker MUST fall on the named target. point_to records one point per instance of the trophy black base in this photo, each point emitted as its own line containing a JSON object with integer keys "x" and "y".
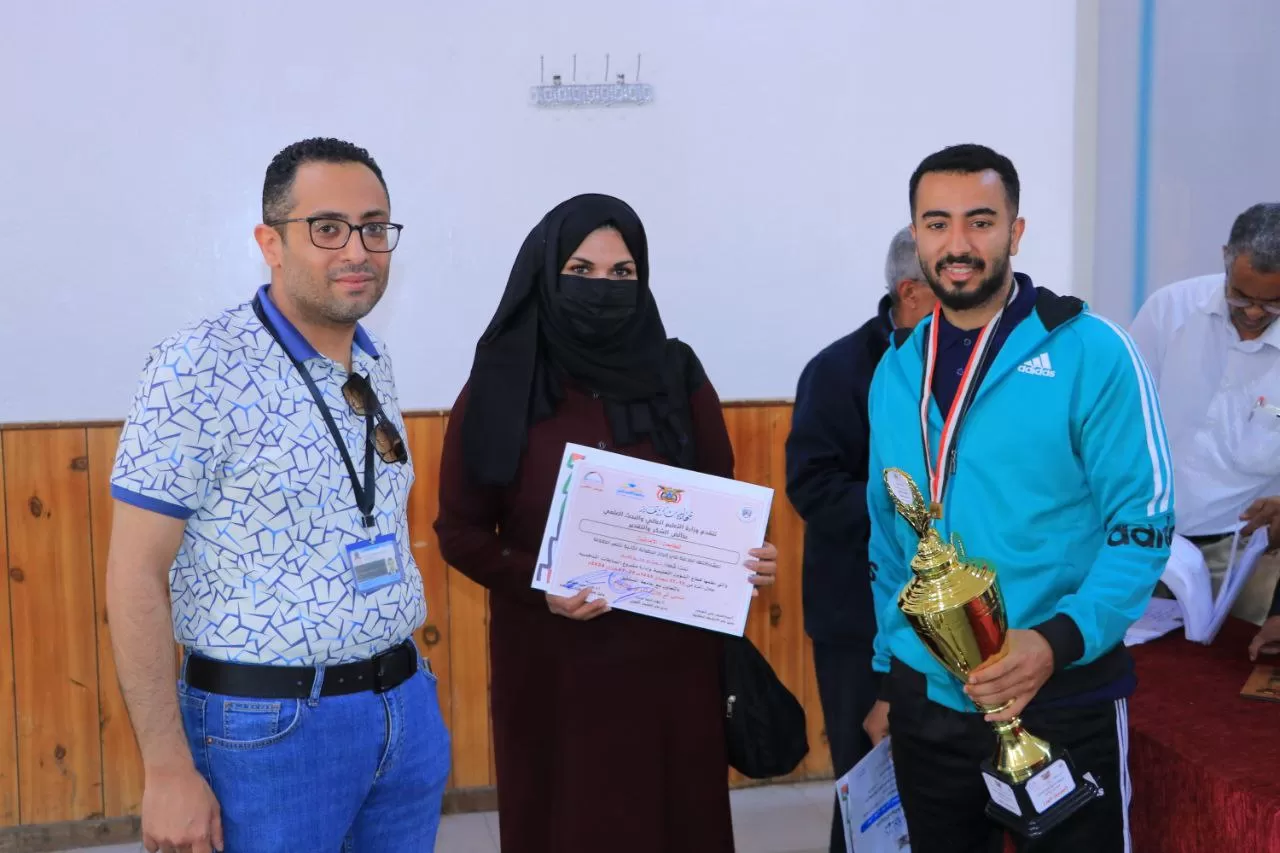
{"x": 1036, "y": 805}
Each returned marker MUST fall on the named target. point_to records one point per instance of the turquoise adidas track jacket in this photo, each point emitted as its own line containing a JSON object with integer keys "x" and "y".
{"x": 1062, "y": 482}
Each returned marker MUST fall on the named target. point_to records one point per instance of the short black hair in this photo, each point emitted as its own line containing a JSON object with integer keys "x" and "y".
{"x": 1256, "y": 235}
{"x": 283, "y": 168}
{"x": 968, "y": 159}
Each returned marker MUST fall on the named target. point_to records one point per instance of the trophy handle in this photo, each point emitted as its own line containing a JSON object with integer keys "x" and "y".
{"x": 906, "y": 498}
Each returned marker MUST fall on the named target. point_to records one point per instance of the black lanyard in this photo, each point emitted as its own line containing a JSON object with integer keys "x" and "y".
{"x": 974, "y": 370}
{"x": 367, "y": 494}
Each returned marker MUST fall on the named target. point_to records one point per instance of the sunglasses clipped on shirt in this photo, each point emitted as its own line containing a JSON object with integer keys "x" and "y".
{"x": 386, "y": 438}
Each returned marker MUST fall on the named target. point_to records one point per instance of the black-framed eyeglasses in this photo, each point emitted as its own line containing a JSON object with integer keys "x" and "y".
{"x": 329, "y": 233}
{"x": 1272, "y": 308}
{"x": 386, "y": 438}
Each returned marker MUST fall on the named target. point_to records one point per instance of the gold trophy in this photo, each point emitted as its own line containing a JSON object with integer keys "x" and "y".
{"x": 955, "y": 607}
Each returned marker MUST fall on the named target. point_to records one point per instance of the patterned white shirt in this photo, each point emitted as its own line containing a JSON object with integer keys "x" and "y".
{"x": 224, "y": 433}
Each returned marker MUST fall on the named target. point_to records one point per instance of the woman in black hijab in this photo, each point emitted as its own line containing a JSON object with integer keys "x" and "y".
{"x": 605, "y": 334}
{"x": 608, "y": 726}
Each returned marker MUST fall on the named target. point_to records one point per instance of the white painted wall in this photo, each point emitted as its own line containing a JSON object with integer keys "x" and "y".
{"x": 770, "y": 171}
{"x": 1215, "y": 128}
{"x": 1213, "y": 142}
{"x": 1117, "y": 148}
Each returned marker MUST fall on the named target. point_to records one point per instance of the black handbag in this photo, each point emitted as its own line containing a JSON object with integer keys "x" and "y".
{"x": 765, "y": 729}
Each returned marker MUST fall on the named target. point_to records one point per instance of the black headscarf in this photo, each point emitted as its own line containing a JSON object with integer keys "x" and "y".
{"x": 535, "y": 342}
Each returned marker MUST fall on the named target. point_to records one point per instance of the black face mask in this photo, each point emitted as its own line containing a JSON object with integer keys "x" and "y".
{"x": 597, "y": 307}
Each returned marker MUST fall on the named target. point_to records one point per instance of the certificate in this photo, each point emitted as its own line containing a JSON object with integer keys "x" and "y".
{"x": 869, "y": 805}
{"x": 653, "y": 539}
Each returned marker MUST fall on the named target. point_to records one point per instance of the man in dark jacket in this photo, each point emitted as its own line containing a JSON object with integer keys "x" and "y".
{"x": 827, "y": 484}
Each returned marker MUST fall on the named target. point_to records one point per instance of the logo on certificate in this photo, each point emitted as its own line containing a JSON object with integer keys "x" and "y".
{"x": 594, "y": 481}
{"x": 668, "y": 495}
{"x": 629, "y": 490}
{"x": 747, "y": 514}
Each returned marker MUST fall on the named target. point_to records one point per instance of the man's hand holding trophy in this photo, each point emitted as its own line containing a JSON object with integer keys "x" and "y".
{"x": 955, "y": 607}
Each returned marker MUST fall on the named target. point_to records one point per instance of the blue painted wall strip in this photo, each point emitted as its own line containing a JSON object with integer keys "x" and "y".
{"x": 1141, "y": 194}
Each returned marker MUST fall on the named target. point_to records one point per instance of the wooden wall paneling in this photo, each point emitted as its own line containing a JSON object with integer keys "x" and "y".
{"x": 752, "y": 459}
{"x": 54, "y": 642}
{"x": 493, "y": 758}
{"x": 8, "y": 712}
{"x": 786, "y": 531}
{"x": 67, "y": 751}
{"x": 122, "y": 778}
{"x": 425, "y": 439}
{"x": 752, "y": 462}
{"x": 469, "y": 651}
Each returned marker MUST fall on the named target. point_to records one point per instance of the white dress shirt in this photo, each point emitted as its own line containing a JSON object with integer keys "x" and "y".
{"x": 1226, "y": 449}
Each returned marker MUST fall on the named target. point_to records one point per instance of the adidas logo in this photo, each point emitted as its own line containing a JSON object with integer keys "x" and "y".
{"x": 1038, "y": 366}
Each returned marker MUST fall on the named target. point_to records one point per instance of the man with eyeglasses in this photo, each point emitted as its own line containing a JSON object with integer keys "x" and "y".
{"x": 261, "y": 486}
{"x": 1213, "y": 347}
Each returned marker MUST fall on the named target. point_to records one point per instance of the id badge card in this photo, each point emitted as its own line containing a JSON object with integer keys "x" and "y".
{"x": 375, "y": 564}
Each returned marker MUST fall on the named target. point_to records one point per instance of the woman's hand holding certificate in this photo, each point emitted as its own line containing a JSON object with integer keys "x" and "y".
{"x": 578, "y": 606}
{"x": 634, "y": 535}
{"x": 764, "y": 563}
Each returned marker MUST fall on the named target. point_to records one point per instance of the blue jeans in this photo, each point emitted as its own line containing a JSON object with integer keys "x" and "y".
{"x": 358, "y": 773}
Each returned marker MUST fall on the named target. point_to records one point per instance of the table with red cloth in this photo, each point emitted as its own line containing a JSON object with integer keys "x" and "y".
{"x": 1204, "y": 761}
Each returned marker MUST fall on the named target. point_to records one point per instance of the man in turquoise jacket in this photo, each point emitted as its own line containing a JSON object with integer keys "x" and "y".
{"x": 1047, "y": 454}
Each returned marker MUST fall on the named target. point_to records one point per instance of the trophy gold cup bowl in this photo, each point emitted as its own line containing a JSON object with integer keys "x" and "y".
{"x": 955, "y": 607}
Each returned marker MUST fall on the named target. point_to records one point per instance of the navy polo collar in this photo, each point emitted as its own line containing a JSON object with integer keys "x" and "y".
{"x": 293, "y": 341}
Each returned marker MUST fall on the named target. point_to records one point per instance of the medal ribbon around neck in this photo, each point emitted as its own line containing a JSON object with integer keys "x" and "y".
{"x": 938, "y": 471}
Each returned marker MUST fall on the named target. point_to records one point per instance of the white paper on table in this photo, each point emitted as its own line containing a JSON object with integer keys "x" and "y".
{"x": 1239, "y": 568}
{"x": 653, "y": 539}
{"x": 1194, "y": 605}
{"x": 1187, "y": 577}
{"x": 1162, "y": 616}
{"x": 870, "y": 807}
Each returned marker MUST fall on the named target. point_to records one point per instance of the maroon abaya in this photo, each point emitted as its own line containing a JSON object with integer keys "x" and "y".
{"x": 609, "y": 733}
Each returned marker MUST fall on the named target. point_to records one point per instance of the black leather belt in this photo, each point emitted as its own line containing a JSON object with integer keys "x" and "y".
{"x": 1207, "y": 539}
{"x": 380, "y": 673}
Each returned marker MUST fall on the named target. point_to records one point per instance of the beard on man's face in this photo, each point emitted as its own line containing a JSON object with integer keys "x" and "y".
{"x": 322, "y": 299}
{"x": 967, "y": 299}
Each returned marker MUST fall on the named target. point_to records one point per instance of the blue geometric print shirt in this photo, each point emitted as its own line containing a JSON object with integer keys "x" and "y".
{"x": 224, "y": 433}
